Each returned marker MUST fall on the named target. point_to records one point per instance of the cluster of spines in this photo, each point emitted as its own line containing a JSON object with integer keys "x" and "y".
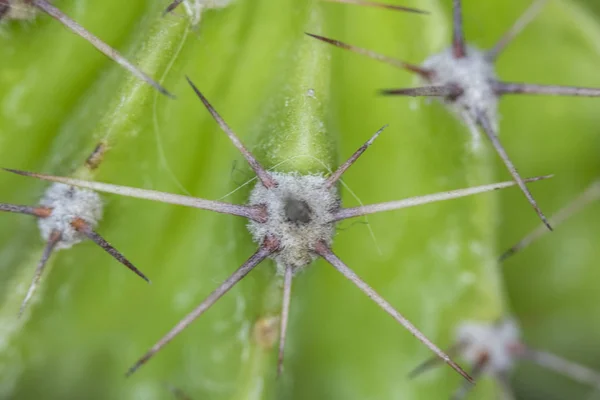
{"x": 494, "y": 347}
{"x": 451, "y": 92}
{"x": 67, "y": 228}
{"x": 271, "y": 245}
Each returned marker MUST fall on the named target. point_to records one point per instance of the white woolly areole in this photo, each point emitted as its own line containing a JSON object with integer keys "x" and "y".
{"x": 300, "y": 213}
{"x": 68, "y": 203}
{"x": 497, "y": 340}
{"x": 20, "y": 10}
{"x": 474, "y": 74}
{"x": 194, "y": 8}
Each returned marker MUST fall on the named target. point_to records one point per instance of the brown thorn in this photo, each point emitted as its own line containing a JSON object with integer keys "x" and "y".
{"x": 266, "y": 178}
{"x": 434, "y": 361}
{"x": 352, "y": 212}
{"x": 81, "y": 226}
{"x": 95, "y": 159}
{"x": 323, "y": 250}
{"x": 344, "y": 167}
{"x": 268, "y": 247}
{"x": 4, "y": 8}
{"x": 105, "y": 49}
{"x": 443, "y": 91}
{"x": 458, "y": 37}
{"x": 19, "y": 172}
{"x": 591, "y": 194}
{"x": 257, "y": 213}
{"x": 502, "y": 88}
{"x": 521, "y": 23}
{"x": 424, "y": 73}
{"x": 380, "y": 5}
{"x": 53, "y": 240}
{"x": 41, "y": 212}
{"x": 285, "y": 311}
{"x": 487, "y": 128}
{"x": 172, "y": 6}
{"x": 476, "y": 372}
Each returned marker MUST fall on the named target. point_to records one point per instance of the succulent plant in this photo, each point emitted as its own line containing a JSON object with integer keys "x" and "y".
{"x": 299, "y": 106}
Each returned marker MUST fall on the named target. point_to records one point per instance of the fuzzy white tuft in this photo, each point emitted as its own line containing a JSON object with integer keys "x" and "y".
{"x": 312, "y": 205}
{"x": 20, "y": 10}
{"x": 68, "y": 203}
{"x": 474, "y": 74}
{"x": 497, "y": 340}
{"x": 194, "y": 8}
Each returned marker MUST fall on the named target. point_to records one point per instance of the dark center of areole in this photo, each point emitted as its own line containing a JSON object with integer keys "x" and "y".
{"x": 70, "y": 193}
{"x": 297, "y": 211}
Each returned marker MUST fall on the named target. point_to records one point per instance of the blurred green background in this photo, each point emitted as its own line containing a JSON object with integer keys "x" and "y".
{"x": 92, "y": 319}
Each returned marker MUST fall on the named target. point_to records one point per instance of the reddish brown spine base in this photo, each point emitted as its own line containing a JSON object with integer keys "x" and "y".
{"x": 95, "y": 159}
{"x": 4, "y": 8}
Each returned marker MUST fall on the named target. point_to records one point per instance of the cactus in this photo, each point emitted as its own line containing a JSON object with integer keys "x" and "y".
{"x": 299, "y": 105}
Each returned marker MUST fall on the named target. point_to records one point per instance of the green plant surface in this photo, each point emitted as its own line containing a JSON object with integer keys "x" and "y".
{"x": 299, "y": 105}
{"x": 552, "y": 286}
